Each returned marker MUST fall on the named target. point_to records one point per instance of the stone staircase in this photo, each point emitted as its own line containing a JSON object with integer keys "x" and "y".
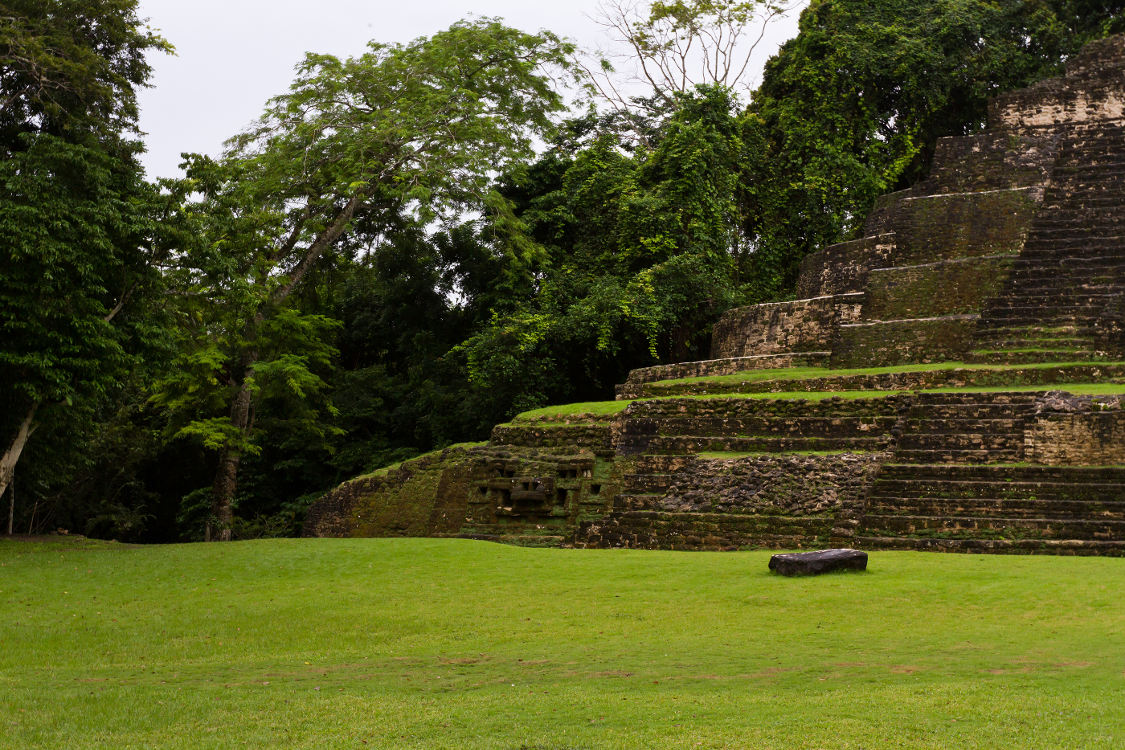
{"x": 1062, "y": 299}
{"x": 956, "y": 428}
{"x": 990, "y": 508}
{"x": 958, "y": 481}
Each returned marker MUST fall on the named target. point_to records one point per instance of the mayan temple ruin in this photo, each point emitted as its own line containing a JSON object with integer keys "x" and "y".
{"x": 944, "y": 382}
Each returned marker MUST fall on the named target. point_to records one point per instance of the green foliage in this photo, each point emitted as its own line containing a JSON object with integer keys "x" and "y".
{"x": 71, "y": 69}
{"x": 639, "y": 257}
{"x": 357, "y": 150}
{"x": 853, "y": 107}
{"x": 79, "y": 229}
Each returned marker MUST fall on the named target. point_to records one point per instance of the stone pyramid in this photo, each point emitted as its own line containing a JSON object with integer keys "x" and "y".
{"x": 967, "y": 357}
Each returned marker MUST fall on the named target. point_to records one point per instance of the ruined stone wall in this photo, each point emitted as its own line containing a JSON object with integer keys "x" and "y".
{"x": 989, "y": 161}
{"x": 530, "y": 493}
{"x": 925, "y": 341}
{"x": 781, "y": 485}
{"x": 782, "y": 327}
{"x": 426, "y": 496}
{"x": 1076, "y": 431}
{"x": 843, "y": 268}
{"x": 598, "y": 438}
{"x": 715, "y": 367}
{"x": 962, "y": 225}
{"x": 1091, "y": 91}
{"x": 759, "y": 501}
{"x": 949, "y": 287}
{"x": 1077, "y": 440}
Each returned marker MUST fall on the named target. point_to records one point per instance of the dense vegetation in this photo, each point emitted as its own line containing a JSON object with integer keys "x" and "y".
{"x": 386, "y": 262}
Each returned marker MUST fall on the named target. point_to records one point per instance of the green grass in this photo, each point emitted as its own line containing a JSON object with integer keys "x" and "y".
{"x": 459, "y": 644}
{"x": 729, "y": 455}
{"x": 595, "y": 408}
{"x": 563, "y": 411}
{"x": 813, "y": 373}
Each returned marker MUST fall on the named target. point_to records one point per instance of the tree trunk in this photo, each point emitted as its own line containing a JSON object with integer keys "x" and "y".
{"x": 12, "y": 454}
{"x": 11, "y": 503}
{"x": 226, "y": 476}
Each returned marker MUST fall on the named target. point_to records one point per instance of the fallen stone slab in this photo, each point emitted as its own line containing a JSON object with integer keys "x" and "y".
{"x": 815, "y": 563}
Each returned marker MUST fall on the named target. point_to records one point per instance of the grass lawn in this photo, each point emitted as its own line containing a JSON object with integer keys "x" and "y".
{"x": 410, "y": 643}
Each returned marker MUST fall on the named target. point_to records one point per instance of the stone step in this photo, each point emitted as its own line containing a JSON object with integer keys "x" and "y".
{"x": 1077, "y": 221}
{"x": 704, "y": 531}
{"x": 994, "y": 546}
{"x": 1016, "y": 308}
{"x": 1009, "y": 357}
{"x": 970, "y": 411}
{"x": 1065, "y": 197}
{"x": 648, "y": 482}
{"x": 1065, "y": 222}
{"x": 998, "y": 398}
{"x": 960, "y": 442}
{"x": 1069, "y": 329}
{"x": 1018, "y": 317}
{"x": 1087, "y": 290}
{"x": 904, "y": 491}
{"x": 660, "y": 463}
{"x": 930, "y": 425}
{"x": 973, "y": 526}
{"x": 1039, "y": 473}
{"x": 1098, "y": 172}
{"x": 1077, "y": 267}
{"x": 1071, "y": 289}
{"x": 1002, "y": 344}
{"x": 775, "y": 426}
{"x": 1092, "y": 286}
{"x": 1001, "y": 507}
{"x": 1083, "y": 242}
{"x": 967, "y": 455}
{"x": 680, "y": 444}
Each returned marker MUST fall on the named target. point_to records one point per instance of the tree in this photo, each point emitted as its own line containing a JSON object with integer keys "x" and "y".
{"x": 76, "y": 229}
{"x": 640, "y": 253}
{"x": 416, "y": 130}
{"x": 676, "y": 45}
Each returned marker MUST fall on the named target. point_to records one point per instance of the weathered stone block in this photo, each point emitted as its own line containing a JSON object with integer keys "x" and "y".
{"x": 843, "y": 268}
{"x": 816, "y": 563}
{"x": 782, "y": 327}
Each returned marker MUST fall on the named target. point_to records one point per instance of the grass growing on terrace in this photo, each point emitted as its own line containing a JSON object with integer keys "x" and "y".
{"x": 457, "y": 644}
{"x": 600, "y": 408}
{"x": 814, "y": 373}
{"x": 596, "y": 408}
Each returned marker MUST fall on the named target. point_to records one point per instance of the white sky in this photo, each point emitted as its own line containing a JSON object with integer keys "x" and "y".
{"x": 233, "y": 55}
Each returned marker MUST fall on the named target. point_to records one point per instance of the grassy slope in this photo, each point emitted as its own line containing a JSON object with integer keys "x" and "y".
{"x": 451, "y": 643}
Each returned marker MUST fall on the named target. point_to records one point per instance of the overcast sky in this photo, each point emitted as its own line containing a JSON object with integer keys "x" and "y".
{"x": 232, "y": 55}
